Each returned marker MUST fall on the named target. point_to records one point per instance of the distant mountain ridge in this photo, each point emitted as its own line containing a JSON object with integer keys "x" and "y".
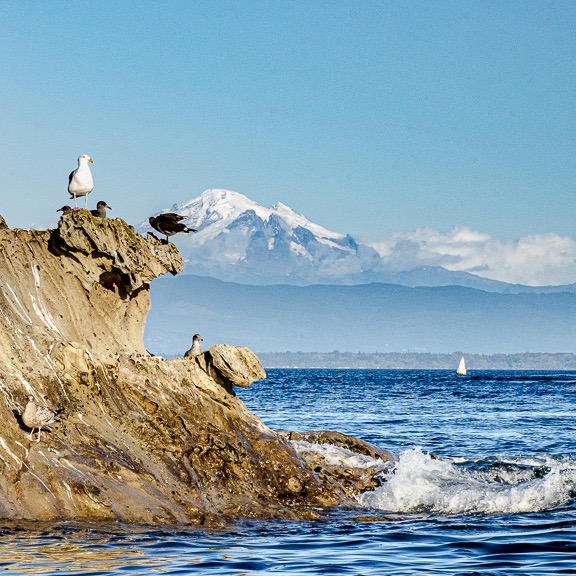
{"x": 239, "y": 240}
{"x": 364, "y": 318}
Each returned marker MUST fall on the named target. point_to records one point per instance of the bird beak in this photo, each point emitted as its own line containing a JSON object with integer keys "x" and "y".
{"x": 59, "y": 210}
{"x": 109, "y": 207}
{"x": 90, "y": 160}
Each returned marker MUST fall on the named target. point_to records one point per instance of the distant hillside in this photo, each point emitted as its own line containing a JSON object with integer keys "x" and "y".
{"x": 407, "y": 360}
{"x": 364, "y": 318}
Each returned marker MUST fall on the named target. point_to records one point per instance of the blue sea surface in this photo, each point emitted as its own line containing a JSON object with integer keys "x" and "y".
{"x": 485, "y": 483}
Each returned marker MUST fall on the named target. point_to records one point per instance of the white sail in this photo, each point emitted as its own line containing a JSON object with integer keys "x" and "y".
{"x": 461, "y": 367}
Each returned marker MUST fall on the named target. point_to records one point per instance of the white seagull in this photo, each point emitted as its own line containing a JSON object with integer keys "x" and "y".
{"x": 80, "y": 181}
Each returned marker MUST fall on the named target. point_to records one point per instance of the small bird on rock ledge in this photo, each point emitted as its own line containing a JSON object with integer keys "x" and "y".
{"x": 195, "y": 350}
{"x": 35, "y": 416}
{"x": 100, "y": 211}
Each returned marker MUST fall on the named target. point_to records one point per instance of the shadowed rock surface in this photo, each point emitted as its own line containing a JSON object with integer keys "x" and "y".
{"x": 140, "y": 438}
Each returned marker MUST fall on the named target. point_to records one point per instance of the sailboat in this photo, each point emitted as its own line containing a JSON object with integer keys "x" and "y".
{"x": 461, "y": 367}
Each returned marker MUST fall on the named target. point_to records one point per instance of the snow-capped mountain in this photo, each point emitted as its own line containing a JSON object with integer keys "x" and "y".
{"x": 240, "y": 241}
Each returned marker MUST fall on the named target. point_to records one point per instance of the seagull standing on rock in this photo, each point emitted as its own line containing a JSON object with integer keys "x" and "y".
{"x": 169, "y": 224}
{"x": 35, "y": 416}
{"x": 80, "y": 181}
{"x": 195, "y": 350}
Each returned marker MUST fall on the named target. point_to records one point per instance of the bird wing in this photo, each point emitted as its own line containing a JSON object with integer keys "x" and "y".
{"x": 44, "y": 415}
{"x": 156, "y": 223}
{"x": 170, "y": 216}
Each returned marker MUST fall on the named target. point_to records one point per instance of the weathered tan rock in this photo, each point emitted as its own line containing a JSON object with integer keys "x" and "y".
{"x": 86, "y": 282}
{"x": 122, "y": 260}
{"x": 3, "y": 223}
{"x": 352, "y": 480}
{"x": 234, "y": 365}
{"x": 141, "y": 439}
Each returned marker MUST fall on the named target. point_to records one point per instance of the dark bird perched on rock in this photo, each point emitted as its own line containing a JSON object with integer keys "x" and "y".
{"x": 35, "y": 416}
{"x": 100, "y": 211}
{"x": 195, "y": 350}
{"x": 65, "y": 210}
{"x": 169, "y": 224}
{"x": 80, "y": 181}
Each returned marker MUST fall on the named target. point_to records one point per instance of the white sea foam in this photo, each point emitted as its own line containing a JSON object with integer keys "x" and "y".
{"x": 336, "y": 456}
{"x": 419, "y": 483}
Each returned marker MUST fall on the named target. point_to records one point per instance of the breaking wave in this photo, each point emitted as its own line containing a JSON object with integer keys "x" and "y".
{"x": 419, "y": 482}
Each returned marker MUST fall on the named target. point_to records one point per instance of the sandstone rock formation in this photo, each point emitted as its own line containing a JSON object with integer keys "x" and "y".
{"x": 140, "y": 438}
{"x": 234, "y": 365}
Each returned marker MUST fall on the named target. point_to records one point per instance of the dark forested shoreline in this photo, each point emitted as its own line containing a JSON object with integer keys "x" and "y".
{"x": 418, "y": 360}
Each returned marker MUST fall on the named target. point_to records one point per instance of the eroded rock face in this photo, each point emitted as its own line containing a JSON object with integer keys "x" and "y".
{"x": 86, "y": 282}
{"x": 140, "y": 439}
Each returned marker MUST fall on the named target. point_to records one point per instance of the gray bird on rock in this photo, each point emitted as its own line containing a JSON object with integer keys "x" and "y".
{"x": 195, "y": 350}
{"x": 37, "y": 417}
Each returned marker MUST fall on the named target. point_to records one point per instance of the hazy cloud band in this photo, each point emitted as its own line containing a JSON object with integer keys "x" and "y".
{"x": 534, "y": 260}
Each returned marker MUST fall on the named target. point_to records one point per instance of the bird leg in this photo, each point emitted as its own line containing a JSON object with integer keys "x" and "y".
{"x": 31, "y": 432}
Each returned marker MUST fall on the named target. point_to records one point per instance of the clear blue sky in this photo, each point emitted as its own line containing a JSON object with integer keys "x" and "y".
{"x": 368, "y": 117}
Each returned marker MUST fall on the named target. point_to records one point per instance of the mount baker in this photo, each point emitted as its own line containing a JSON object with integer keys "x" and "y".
{"x": 238, "y": 240}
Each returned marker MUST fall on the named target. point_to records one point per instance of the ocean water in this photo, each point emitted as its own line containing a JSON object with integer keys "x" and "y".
{"x": 485, "y": 483}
